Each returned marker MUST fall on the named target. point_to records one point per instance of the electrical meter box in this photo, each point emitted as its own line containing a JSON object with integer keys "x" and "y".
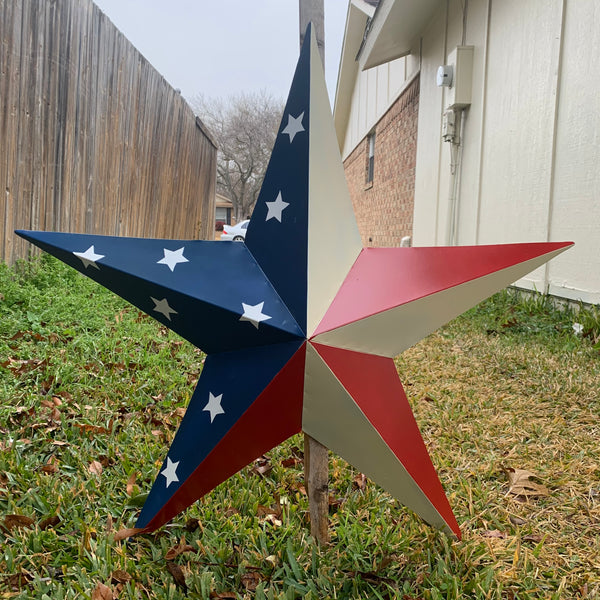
{"x": 458, "y": 95}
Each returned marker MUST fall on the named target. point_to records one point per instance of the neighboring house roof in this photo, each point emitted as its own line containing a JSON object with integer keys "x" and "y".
{"x": 223, "y": 201}
{"x": 393, "y": 28}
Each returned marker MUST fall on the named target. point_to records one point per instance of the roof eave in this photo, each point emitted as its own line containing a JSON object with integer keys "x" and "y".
{"x": 359, "y": 12}
{"x": 395, "y": 26}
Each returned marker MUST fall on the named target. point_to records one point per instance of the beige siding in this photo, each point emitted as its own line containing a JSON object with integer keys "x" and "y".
{"x": 575, "y": 211}
{"x": 375, "y": 91}
{"x": 531, "y": 136}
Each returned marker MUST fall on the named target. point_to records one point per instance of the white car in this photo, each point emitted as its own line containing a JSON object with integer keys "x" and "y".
{"x": 235, "y": 233}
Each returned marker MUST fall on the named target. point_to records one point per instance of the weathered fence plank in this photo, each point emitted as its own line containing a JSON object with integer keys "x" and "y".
{"x": 92, "y": 137}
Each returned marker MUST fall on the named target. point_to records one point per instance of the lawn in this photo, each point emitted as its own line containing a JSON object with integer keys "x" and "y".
{"x": 506, "y": 397}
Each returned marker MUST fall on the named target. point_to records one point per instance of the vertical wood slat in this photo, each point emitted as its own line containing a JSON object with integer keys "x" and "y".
{"x": 92, "y": 138}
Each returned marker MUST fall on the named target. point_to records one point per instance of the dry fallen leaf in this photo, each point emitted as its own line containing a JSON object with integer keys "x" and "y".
{"x": 102, "y": 592}
{"x": 49, "y": 522}
{"x": 251, "y": 580}
{"x": 13, "y": 521}
{"x": 262, "y": 466}
{"x": 16, "y": 582}
{"x": 51, "y": 465}
{"x": 520, "y": 484}
{"x": 533, "y": 537}
{"x": 360, "y": 482}
{"x": 95, "y": 467}
{"x": 494, "y": 533}
{"x": 517, "y": 520}
{"x": 128, "y": 532}
{"x": 175, "y": 551}
{"x": 177, "y": 573}
{"x": 131, "y": 483}
{"x": 120, "y": 576}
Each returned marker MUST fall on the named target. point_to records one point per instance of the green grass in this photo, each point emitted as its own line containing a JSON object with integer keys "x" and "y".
{"x": 86, "y": 379}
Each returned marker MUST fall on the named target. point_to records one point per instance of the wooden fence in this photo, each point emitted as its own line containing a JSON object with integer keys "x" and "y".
{"x": 92, "y": 138}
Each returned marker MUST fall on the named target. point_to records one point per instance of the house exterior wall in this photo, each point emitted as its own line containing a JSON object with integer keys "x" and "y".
{"x": 527, "y": 168}
{"x": 530, "y": 137}
{"x": 384, "y": 206}
{"x": 375, "y": 91}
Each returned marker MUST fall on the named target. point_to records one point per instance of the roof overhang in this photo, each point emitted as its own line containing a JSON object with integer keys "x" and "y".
{"x": 394, "y": 27}
{"x": 359, "y": 12}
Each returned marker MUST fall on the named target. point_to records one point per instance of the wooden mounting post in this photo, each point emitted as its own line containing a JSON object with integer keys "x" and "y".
{"x": 316, "y": 475}
{"x": 316, "y": 459}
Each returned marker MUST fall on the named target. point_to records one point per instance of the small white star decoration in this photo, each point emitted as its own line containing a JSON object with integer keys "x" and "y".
{"x": 173, "y": 258}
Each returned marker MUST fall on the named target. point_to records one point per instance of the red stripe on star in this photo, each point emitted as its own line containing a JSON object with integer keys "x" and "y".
{"x": 272, "y": 418}
{"x": 373, "y": 383}
{"x": 383, "y": 278}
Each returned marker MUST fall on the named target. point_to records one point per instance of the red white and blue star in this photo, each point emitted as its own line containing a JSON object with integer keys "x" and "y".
{"x": 300, "y": 324}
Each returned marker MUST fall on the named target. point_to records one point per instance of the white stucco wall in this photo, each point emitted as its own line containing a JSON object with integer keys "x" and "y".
{"x": 530, "y": 166}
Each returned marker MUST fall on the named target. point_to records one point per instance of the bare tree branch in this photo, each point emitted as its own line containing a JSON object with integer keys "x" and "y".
{"x": 244, "y": 127}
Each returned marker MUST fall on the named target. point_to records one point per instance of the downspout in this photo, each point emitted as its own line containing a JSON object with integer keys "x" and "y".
{"x": 456, "y": 148}
{"x": 453, "y": 131}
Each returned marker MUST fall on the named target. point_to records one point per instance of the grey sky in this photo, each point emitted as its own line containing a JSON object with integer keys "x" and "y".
{"x": 220, "y": 47}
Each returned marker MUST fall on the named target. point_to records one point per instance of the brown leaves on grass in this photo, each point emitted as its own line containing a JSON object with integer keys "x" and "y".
{"x": 270, "y": 515}
{"x": 360, "y": 482}
{"x": 262, "y": 466}
{"x": 11, "y": 522}
{"x": 21, "y": 367}
{"x": 178, "y": 575}
{"x": 120, "y": 576}
{"x": 521, "y": 485}
{"x": 16, "y": 582}
{"x": 94, "y": 429}
{"x": 17, "y": 521}
{"x": 292, "y": 461}
{"x": 49, "y": 522}
{"x": 250, "y": 580}
{"x": 180, "y": 548}
{"x": 128, "y": 532}
{"x": 102, "y": 592}
{"x": 51, "y": 466}
{"x": 131, "y": 484}
{"x": 95, "y": 467}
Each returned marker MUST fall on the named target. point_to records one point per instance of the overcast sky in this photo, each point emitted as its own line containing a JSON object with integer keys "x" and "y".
{"x": 221, "y": 47}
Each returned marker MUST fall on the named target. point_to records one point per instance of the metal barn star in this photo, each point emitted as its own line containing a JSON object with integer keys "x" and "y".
{"x": 300, "y": 324}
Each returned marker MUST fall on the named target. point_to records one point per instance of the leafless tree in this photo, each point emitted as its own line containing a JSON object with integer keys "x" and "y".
{"x": 244, "y": 127}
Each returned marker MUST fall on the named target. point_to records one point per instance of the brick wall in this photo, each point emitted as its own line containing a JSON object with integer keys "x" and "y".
{"x": 384, "y": 207}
